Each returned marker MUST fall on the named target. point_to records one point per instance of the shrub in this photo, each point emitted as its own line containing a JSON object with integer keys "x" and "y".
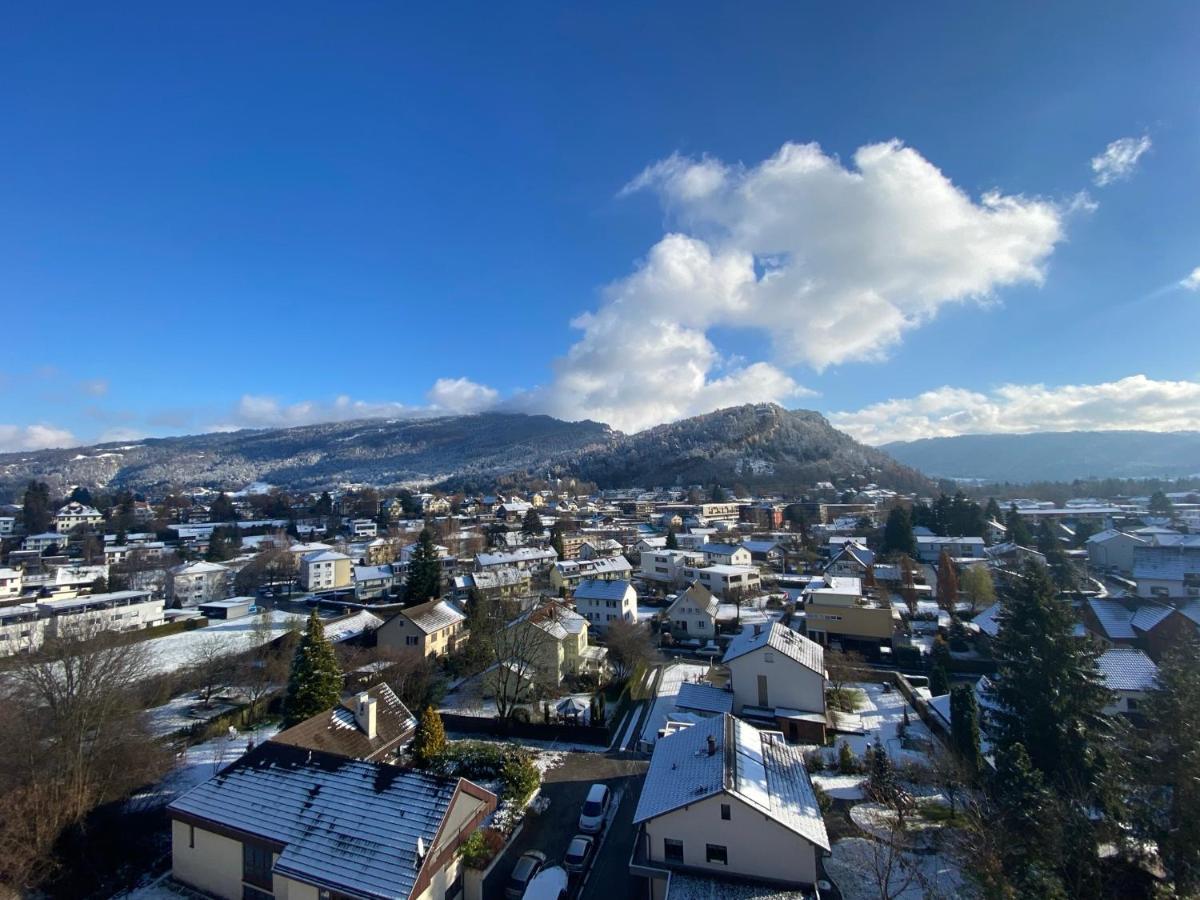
{"x": 481, "y": 847}
{"x": 521, "y": 715}
{"x": 520, "y": 777}
{"x": 847, "y": 764}
{"x": 430, "y": 741}
{"x": 814, "y": 760}
{"x": 824, "y": 801}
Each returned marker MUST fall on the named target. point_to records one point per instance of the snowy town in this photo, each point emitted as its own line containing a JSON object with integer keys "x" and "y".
{"x": 662, "y": 692}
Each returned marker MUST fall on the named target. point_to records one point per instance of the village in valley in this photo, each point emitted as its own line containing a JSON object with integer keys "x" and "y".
{"x": 555, "y": 690}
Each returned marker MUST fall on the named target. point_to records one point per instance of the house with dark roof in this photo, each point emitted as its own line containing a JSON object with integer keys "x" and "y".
{"x": 371, "y": 725}
{"x": 286, "y": 821}
{"x": 435, "y": 628}
{"x": 724, "y": 800}
{"x": 1146, "y": 625}
{"x": 1130, "y": 675}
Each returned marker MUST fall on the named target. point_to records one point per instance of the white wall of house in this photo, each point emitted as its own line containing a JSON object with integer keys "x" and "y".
{"x": 789, "y": 684}
{"x": 756, "y": 845}
{"x": 205, "y": 860}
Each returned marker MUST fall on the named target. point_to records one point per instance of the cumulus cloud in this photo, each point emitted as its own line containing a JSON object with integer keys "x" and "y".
{"x": 461, "y": 395}
{"x": 832, "y": 263}
{"x": 34, "y": 437}
{"x": 1136, "y": 402}
{"x": 1192, "y": 282}
{"x": 1119, "y": 159}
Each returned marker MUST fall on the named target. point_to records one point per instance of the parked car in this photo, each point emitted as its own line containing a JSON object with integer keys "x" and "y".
{"x": 550, "y": 884}
{"x": 595, "y": 809}
{"x": 710, "y": 649}
{"x": 579, "y": 853}
{"x": 523, "y": 873}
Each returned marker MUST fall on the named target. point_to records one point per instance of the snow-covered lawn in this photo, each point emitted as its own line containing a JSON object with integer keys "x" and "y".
{"x": 840, "y": 787}
{"x": 183, "y": 712}
{"x": 882, "y": 714}
{"x": 175, "y": 651}
{"x": 673, "y": 676}
{"x": 854, "y": 861}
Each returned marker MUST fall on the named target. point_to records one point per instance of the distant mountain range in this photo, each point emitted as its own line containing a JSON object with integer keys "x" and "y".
{"x": 760, "y": 446}
{"x": 1054, "y": 456}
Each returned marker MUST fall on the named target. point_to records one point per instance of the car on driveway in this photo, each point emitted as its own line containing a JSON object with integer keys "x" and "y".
{"x": 595, "y": 809}
{"x": 526, "y": 869}
{"x": 579, "y": 853}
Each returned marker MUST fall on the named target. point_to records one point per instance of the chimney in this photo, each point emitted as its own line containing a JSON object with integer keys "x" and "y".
{"x": 712, "y": 745}
{"x": 364, "y": 714}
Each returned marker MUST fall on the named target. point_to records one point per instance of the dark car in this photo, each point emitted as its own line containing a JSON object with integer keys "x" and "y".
{"x": 579, "y": 853}
{"x": 523, "y": 872}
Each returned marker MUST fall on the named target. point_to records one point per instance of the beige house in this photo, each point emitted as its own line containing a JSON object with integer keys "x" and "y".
{"x": 694, "y": 612}
{"x": 723, "y": 800}
{"x": 430, "y": 629}
{"x": 553, "y": 640}
{"x": 291, "y": 823}
{"x": 10, "y": 583}
{"x": 326, "y": 570}
{"x": 198, "y": 582}
{"x": 838, "y": 611}
{"x": 778, "y": 674}
{"x": 570, "y": 572}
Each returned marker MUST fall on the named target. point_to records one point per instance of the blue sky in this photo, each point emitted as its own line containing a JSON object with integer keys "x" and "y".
{"x": 253, "y": 216}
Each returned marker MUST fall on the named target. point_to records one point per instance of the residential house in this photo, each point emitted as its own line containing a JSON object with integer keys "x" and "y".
{"x": 40, "y": 543}
{"x": 74, "y": 514}
{"x": 552, "y": 639}
{"x": 373, "y": 581}
{"x": 851, "y": 561}
{"x": 191, "y": 584}
{"x": 779, "y": 675}
{"x": 599, "y": 548}
{"x": 694, "y": 613}
{"x": 725, "y": 554}
{"x": 115, "y": 611}
{"x": 569, "y": 573}
{"x": 1112, "y": 550}
{"x": 430, "y": 629}
{"x": 1130, "y": 675}
{"x": 362, "y": 528}
{"x": 10, "y": 584}
{"x": 371, "y": 725}
{"x": 536, "y": 559}
{"x": 765, "y": 552}
{"x": 604, "y": 602}
{"x": 726, "y": 582}
{"x": 724, "y": 800}
{"x": 835, "y": 610}
{"x": 930, "y": 547}
{"x": 22, "y": 629}
{"x": 290, "y": 822}
{"x": 326, "y": 570}
{"x": 668, "y": 566}
{"x": 1149, "y": 626}
{"x": 1166, "y": 571}
{"x": 504, "y": 583}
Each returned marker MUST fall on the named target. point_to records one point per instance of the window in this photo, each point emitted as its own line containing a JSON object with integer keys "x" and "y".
{"x": 725, "y": 812}
{"x": 191, "y": 837}
{"x": 672, "y": 850}
{"x": 715, "y": 853}
{"x": 410, "y": 640}
{"x": 256, "y": 865}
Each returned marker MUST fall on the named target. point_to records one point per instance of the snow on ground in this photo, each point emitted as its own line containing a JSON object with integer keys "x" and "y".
{"x": 840, "y": 787}
{"x": 181, "y": 713}
{"x": 175, "y": 651}
{"x": 881, "y": 713}
{"x": 201, "y": 762}
{"x": 673, "y": 676}
{"x": 853, "y": 863}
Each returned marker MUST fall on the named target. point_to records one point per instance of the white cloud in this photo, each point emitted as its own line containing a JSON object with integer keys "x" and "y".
{"x": 833, "y": 263}
{"x": 34, "y": 437}
{"x": 461, "y": 395}
{"x": 1136, "y": 402}
{"x": 1119, "y": 159}
{"x": 1192, "y": 282}
{"x": 97, "y": 387}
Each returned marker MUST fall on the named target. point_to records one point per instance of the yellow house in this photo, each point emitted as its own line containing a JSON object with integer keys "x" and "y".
{"x": 435, "y": 628}
{"x": 839, "y": 611}
{"x": 553, "y": 639}
{"x": 326, "y": 570}
{"x": 292, "y": 823}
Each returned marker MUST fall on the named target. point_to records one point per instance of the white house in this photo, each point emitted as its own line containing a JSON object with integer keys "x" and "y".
{"x": 603, "y": 602}
{"x": 198, "y": 582}
{"x": 726, "y": 581}
{"x": 75, "y": 514}
{"x": 694, "y": 612}
{"x": 1130, "y": 674}
{"x": 778, "y": 673}
{"x": 930, "y": 547}
{"x": 724, "y": 800}
{"x": 668, "y": 566}
{"x": 22, "y": 629}
{"x": 725, "y": 554}
{"x": 1112, "y": 550}
{"x": 116, "y": 611}
{"x": 10, "y": 583}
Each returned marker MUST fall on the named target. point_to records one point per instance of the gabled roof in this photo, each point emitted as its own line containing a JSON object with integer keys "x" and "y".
{"x": 988, "y": 621}
{"x": 337, "y": 730}
{"x": 1127, "y": 669}
{"x": 433, "y": 615}
{"x": 556, "y": 620}
{"x": 598, "y": 589}
{"x": 699, "y": 595}
{"x": 346, "y": 825}
{"x": 1114, "y": 618}
{"x": 778, "y": 637}
{"x": 704, "y": 698}
{"x": 757, "y": 767}
{"x": 324, "y": 556}
{"x": 722, "y": 549}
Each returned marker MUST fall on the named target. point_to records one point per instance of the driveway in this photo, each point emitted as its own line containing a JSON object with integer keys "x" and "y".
{"x": 566, "y": 788}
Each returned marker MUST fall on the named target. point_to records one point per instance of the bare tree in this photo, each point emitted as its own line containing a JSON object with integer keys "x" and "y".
{"x": 629, "y": 646}
{"x": 520, "y": 652}
{"x": 264, "y": 666}
{"x": 210, "y": 666}
{"x": 842, "y": 667}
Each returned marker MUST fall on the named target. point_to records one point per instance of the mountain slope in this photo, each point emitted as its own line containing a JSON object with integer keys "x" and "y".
{"x": 762, "y": 446}
{"x": 1054, "y": 456}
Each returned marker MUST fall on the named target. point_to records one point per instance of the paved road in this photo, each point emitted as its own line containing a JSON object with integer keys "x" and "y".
{"x": 551, "y": 832}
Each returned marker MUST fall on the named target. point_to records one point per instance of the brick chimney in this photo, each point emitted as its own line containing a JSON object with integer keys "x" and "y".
{"x": 364, "y": 714}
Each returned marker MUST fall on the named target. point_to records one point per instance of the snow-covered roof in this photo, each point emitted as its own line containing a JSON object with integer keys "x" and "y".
{"x": 781, "y": 638}
{"x": 1167, "y": 563}
{"x": 758, "y": 768}
{"x": 556, "y": 620}
{"x": 700, "y": 596}
{"x": 519, "y": 555}
{"x": 1114, "y": 617}
{"x": 345, "y": 825}
{"x": 760, "y": 546}
{"x": 324, "y": 556}
{"x": 704, "y": 698}
{"x": 1127, "y": 669}
{"x": 434, "y": 615}
{"x": 352, "y": 626}
{"x": 988, "y": 621}
{"x": 501, "y": 576}
{"x": 198, "y": 568}
{"x": 373, "y": 573}
{"x": 724, "y": 549}
{"x": 598, "y": 589}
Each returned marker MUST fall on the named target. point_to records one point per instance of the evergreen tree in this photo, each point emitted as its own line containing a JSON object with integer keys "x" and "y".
{"x": 1173, "y": 761}
{"x": 992, "y": 511}
{"x": 36, "y": 513}
{"x": 324, "y": 505}
{"x": 718, "y": 494}
{"x": 898, "y": 533}
{"x": 939, "y": 672}
{"x": 1018, "y": 531}
{"x": 947, "y": 583}
{"x": 1029, "y": 822}
{"x": 556, "y": 542}
{"x": 81, "y": 495}
{"x": 424, "y": 571}
{"x": 315, "y": 682}
{"x": 222, "y": 509}
{"x": 672, "y": 540}
{"x": 964, "y": 726}
{"x": 1161, "y": 505}
{"x": 429, "y": 743}
{"x": 532, "y": 524}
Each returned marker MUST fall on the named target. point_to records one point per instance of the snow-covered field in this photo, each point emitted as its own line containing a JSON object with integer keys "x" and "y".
{"x": 182, "y": 712}
{"x": 854, "y": 862}
{"x": 175, "y": 651}
{"x": 673, "y": 676}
